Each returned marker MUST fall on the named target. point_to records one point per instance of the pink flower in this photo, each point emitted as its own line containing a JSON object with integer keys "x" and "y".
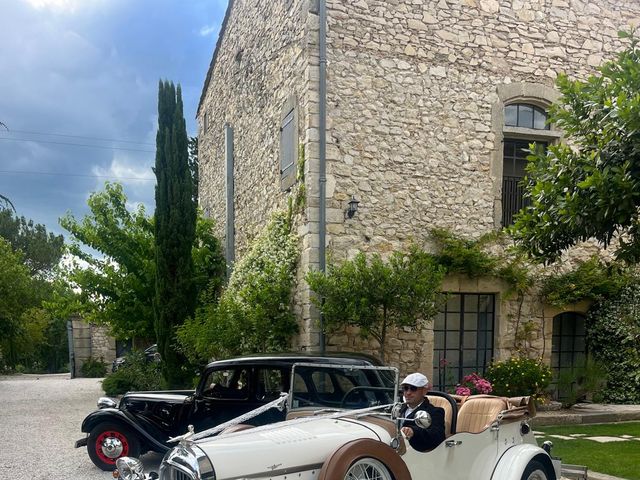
{"x": 460, "y": 390}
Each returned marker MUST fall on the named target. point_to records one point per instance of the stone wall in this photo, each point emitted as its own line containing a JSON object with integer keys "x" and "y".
{"x": 415, "y": 93}
{"x": 413, "y": 88}
{"x": 89, "y": 340}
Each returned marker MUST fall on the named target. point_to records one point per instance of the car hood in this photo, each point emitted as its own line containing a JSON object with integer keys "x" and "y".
{"x": 168, "y": 396}
{"x": 304, "y": 443}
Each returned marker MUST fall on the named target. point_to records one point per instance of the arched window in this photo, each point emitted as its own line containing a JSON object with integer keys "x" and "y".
{"x": 519, "y": 119}
{"x": 525, "y": 115}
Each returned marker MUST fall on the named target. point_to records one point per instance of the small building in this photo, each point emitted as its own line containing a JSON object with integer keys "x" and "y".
{"x": 428, "y": 106}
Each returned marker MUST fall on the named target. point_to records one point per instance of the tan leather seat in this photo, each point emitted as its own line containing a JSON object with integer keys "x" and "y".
{"x": 479, "y": 411}
{"x": 444, "y": 404}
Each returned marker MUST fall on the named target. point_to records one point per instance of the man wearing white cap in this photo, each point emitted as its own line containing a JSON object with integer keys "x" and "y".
{"x": 415, "y": 387}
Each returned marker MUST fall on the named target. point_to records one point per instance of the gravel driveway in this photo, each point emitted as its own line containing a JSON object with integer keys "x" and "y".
{"x": 40, "y": 418}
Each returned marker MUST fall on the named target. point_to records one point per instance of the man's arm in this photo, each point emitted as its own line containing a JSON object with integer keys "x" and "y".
{"x": 429, "y": 438}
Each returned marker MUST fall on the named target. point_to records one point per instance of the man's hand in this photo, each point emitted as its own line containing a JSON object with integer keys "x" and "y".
{"x": 408, "y": 431}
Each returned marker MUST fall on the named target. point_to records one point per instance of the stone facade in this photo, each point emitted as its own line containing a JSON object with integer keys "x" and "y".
{"x": 416, "y": 91}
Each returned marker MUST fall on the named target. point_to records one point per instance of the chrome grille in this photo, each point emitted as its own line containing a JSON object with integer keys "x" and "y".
{"x": 180, "y": 475}
{"x": 173, "y": 473}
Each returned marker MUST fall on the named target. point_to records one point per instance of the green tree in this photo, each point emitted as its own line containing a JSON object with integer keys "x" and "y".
{"x": 113, "y": 267}
{"x": 377, "y": 296}
{"x": 590, "y": 190}
{"x": 42, "y": 251}
{"x": 175, "y": 225}
{"x": 16, "y": 296}
{"x": 116, "y": 287}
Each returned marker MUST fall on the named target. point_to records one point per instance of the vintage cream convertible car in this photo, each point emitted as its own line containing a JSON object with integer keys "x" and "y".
{"x": 488, "y": 437}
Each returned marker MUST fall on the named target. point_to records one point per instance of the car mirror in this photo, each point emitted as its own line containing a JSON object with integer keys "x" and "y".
{"x": 395, "y": 411}
{"x": 422, "y": 419}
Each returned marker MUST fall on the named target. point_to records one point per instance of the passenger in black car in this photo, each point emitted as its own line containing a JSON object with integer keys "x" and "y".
{"x": 415, "y": 387}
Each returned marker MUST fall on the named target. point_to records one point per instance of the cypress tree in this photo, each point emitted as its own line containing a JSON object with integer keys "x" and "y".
{"x": 175, "y": 226}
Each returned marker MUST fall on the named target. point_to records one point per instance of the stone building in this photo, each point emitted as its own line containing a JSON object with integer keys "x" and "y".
{"x": 428, "y": 104}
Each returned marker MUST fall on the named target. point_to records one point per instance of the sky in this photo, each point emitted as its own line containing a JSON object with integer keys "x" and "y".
{"x": 78, "y": 95}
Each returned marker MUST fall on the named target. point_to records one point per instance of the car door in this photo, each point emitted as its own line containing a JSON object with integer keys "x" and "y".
{"x": 230, "y": 391}
{"x": 223, "y": 394}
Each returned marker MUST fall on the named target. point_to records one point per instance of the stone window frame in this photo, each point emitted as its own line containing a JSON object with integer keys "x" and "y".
{"x": 288, "y": 144}
{"x": 535, "y": 94}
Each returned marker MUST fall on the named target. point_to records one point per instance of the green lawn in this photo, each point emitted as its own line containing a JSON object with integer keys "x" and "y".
{"x": 620, "y": 459}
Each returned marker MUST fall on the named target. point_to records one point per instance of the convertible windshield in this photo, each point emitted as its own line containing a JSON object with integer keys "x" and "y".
{"x": 337, "y": 386}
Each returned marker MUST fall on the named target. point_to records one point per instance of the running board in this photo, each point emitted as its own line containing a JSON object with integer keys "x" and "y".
{"x": 578, "y": 472}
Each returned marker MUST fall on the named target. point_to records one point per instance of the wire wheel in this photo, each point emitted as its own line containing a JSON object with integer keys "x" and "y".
{"x": 368, "y": 469}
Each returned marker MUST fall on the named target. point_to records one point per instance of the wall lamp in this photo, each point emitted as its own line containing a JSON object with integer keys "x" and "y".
{"x": 352, "y": 207}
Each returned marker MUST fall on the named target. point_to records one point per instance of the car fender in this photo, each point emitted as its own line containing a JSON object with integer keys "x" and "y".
{"x": 514, "y": 461}
{"x": 115, "y": 415}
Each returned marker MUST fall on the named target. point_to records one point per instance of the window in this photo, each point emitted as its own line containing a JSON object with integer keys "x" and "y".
{"x": 513, "y": 171}
{"x": 518, "y": 118}
{"x": 270, "y": 383}
{"x": 288, "y": 144}
{"x": 228, "y": 384}
{"x": 522, "y": 120}
{"x": 525, "y": 115}
{"x": 463, "y": 338}
{"x": 568, "y": 348}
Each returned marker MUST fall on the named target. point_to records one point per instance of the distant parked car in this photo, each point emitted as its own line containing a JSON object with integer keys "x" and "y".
{"x": 145, "y": 421}
{"x": 151, "y": 354}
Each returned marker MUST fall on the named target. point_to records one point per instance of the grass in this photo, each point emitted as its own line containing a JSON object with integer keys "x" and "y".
{"x": 620, "y": 459}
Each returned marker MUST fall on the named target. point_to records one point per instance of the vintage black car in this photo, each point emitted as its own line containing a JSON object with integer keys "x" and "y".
{"x": 145, "y": 421}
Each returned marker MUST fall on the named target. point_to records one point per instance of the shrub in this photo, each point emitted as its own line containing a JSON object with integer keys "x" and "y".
{"x": 519, "y": 375}
{"x": 93, "y": 368}
{"x": 473, "y": 384}
{"x": 136, "y": 374}
{"x": 613, "y": 336}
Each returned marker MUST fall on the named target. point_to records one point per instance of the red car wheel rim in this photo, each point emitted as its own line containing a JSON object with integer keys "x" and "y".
{"x": 111, "y": 445}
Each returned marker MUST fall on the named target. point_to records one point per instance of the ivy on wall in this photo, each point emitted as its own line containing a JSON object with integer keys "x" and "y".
{"x": 254, "y": 312}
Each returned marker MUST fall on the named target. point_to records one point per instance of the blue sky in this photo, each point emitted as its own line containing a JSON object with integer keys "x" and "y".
{"x": 86, "y": 72}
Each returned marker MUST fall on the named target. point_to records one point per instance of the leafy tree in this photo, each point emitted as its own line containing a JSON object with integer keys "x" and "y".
{"x": 377, "y": 296}
{"x": 590, "y": 190}
{"x": 15, "y": 298}
{"x": 42, "y": 251}
{"x": 116, "y": 286}
{"x": 175, "y": 225}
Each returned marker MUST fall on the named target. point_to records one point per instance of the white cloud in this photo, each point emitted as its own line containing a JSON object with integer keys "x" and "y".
{"x": 209, "y": 30}
{"x": 60, "y": 5}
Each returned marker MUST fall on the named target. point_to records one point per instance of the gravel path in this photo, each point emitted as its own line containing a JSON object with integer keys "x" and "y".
{"x": 40, "y": 418}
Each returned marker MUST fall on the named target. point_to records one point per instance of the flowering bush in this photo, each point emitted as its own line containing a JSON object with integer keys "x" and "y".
{"x": 473, "y": 384}
{"x": 519, "y": 375}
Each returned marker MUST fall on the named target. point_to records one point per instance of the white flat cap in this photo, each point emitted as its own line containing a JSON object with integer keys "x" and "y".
{"x": 415, "y": 379}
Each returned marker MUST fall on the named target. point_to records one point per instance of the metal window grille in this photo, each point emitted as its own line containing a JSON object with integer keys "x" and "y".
{"x": 568, "y": 347}
{"x": 463, "y": 338}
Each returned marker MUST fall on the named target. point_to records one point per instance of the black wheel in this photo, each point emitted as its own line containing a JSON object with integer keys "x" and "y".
{"x": 535, "y": 471}
{"x": 110, "y": 441}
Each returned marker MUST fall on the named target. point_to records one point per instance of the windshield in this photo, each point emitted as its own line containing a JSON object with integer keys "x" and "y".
{"x": 337, "y": 386}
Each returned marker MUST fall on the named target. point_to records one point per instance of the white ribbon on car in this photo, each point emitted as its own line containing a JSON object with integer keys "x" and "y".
{"x": 278, "y": 403}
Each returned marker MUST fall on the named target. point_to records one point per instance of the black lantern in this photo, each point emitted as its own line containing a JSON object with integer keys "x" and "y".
{"x": 352, "y": 208}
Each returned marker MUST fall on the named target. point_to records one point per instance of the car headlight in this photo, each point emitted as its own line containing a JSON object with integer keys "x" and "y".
{"x": 105, "y": 402}
{"x": 187, "y": 461}
{"x": 129, "y": 468}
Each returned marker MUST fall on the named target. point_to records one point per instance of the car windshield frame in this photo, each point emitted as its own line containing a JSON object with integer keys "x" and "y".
{"x": 384, "y": 373}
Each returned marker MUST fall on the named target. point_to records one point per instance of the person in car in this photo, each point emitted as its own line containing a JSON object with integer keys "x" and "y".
{"x": 414, "y": 388}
